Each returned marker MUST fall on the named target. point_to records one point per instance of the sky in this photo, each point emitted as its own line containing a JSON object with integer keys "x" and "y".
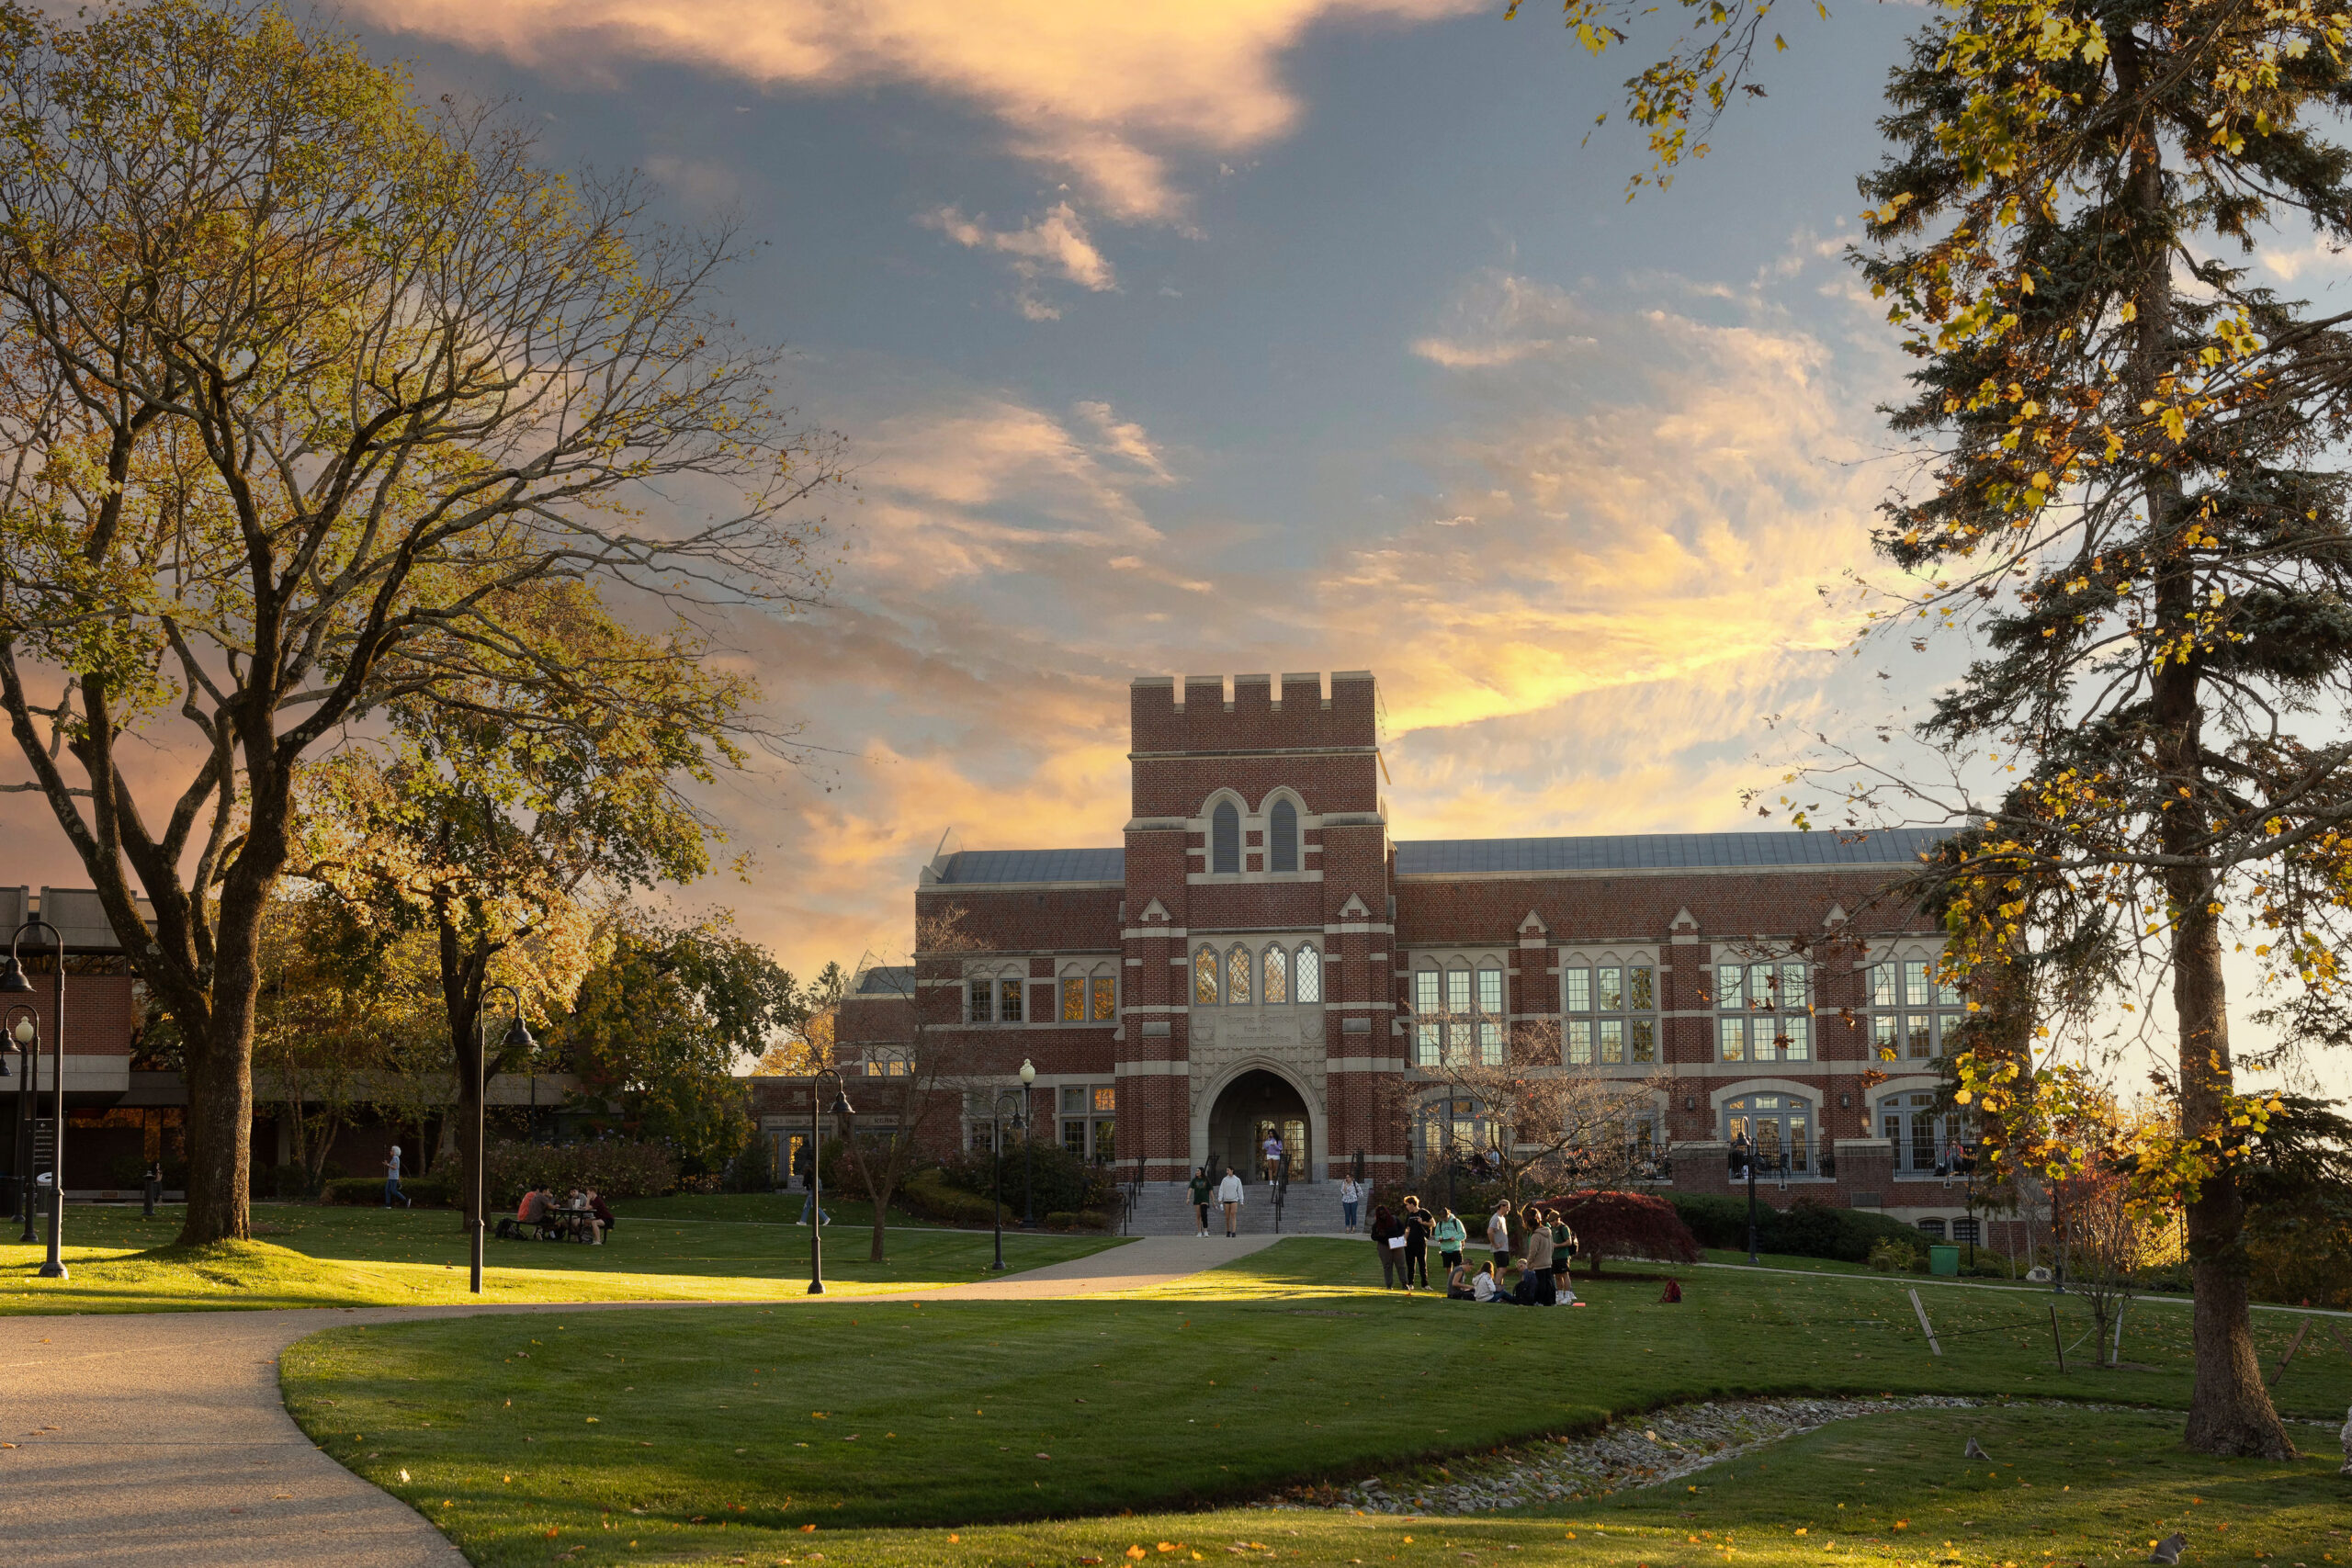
{"x": 1211, "y": 336}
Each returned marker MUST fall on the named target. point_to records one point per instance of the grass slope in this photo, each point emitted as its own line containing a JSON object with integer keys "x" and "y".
{"x": 673, "y": 1250}
{"x": 708, "y": 1434}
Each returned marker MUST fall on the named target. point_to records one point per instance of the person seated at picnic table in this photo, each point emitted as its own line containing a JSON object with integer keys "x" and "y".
{"x": 603, "y": 1211}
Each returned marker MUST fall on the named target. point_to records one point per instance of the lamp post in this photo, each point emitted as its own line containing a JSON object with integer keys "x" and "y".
{"x": 518, "y": 1037}
{"x": 25, "y": 1035}
{"x": 842, "y": 1109}
{"x": 1029, "y": 1152}
{"x": 1019, "y": 1098}
{"x": 14, "y": 981}
{"x": 1751, "y": 1205}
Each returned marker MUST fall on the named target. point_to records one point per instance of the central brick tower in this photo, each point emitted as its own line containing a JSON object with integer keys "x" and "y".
{"x": 1257, "y": 926}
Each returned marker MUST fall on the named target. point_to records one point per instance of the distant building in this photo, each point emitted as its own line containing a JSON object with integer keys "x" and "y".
{"x": 1260, "y": 956}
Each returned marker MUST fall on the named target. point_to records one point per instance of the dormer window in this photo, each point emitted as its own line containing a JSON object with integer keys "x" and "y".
{"x": 1282, "y": 838}
{"x": 1225, "y": 839}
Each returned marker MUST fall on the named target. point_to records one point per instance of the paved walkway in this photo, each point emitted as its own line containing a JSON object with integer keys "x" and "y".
{"x": 159, "y": 1440}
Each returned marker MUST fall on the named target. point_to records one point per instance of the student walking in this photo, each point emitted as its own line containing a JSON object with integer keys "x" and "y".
{"x": 1200, "y": 1191}
{"x": 804, "y": 1166}
{"x": 1388, "y": 1240}
{"x": 1351, "y": 1200}
{"x": 1228, "y": 1192}
{"x": 392, "y": 1193}
{"x": 1498, "y": 1234}
{"x": 1418, "y": 1225}
{"x": 1273, "y": 1153}
{"x": 1449, "y": 1237}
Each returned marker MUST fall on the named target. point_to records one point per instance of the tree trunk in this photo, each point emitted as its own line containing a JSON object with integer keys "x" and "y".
{"x": 220, "y": 1059}
{"x": 464, "y": 967}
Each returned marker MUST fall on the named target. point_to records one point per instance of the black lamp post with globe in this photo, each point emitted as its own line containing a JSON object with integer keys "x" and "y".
{"x": 518, "y": 1038}
{"x": 842, "y": 1112}
{"x": 23, "y": 1034}
{"x": 1020, "y": 1099}
{"x": 14, "y": 981}
{"x": 1028, "y": 1150}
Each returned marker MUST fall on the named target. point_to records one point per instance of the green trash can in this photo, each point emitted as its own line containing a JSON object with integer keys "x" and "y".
{"x": 1943, "y": 1260}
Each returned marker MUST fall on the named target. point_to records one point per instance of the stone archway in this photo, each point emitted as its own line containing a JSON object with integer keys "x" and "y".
{"x": 1243, "y": 1112}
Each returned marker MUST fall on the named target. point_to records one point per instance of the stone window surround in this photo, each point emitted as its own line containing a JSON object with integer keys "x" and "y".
{"x": 1257, "y": 942}
{"x": 1256, "y": 823}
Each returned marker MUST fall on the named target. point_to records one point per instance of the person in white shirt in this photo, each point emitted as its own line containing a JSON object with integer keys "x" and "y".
{"x": 1272, "y": 1154}
{"x": 1498, "y": 1235}
{"x": 1228, "y": 1192}
{"x": 1351, "y": 1201}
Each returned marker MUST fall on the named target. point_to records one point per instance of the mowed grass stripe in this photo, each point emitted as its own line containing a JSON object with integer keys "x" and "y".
{"x": 1289, "y": 1364}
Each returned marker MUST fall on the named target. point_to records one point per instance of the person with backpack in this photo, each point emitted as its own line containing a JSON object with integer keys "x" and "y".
{"x": 1450, "y": 1236}
{"x": 1200, "y": 1191}
{"x": 1388, "y": 1240}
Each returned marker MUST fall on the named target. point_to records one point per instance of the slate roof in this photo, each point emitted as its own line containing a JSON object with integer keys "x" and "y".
{"x": 1474, "y": 857}
{"x": 1663, "y": 851}
{"x": 978, "y": 867}
{"x": 887, "y": 980}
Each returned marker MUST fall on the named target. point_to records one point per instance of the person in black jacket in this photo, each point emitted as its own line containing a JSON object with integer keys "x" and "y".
{"x": 1418, "y": 1225}
{"x": 1385, "y": 1229}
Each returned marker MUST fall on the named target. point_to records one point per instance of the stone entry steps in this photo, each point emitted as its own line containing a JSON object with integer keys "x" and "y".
{"x": 1165, "y": 1208}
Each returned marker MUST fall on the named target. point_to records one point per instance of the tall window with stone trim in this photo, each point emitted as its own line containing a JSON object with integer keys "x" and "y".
{"x": 1273, "y": 969}
{"x": 1913, "y": 1012}
{"x": 1282, "y": 837}
{"x": 1204, "y": 986}
{"x": 1073, "y": 998}
{"x": 1105, "y": 999}
{"x": 1008, "y": 1000}
{"x": 1764, "y": 1011}
{"x": 982, "y": 994}
{"x": 1429, "y": 1006}
{"x": 1490, "y": 1019}
{"x": 1224, "y": 838}
{"x": 1237, "y": 988}
{"x": 1307, "y": 977}
{"x": 1610, "y": 1014}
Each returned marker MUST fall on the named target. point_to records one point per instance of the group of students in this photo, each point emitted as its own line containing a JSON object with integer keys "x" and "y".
{"x": 583, "y": 1216}
{"x": 1403, "y": 1239}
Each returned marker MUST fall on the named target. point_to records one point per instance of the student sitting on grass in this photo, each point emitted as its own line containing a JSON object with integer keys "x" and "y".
{"x": 1457, "y": 1284}
{"x": 1486, "y": 1286}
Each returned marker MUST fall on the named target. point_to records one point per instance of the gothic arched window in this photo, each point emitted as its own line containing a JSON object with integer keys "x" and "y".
{"x": 1282, "y": 838}
{"x": 1237, "y": 976}
{"x": 1309, "y": 976}
{"x": 1224, "y": 838}
{"x": 1275, "y": 969}
{"x": 1205, "y": 977}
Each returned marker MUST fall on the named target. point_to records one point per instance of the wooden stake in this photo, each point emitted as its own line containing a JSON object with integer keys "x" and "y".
{"x": 2291, "y": 1348}
{"x": 2055, "y": 1340}
{"x": 1924, "y": 1328}
{"x": 2332, "y": 1328}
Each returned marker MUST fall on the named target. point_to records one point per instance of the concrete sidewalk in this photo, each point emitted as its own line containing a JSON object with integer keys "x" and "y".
{"x": 159, "y": 1440}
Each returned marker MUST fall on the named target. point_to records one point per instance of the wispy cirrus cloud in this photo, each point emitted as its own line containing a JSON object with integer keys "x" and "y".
{"x": 1055, "y": 246}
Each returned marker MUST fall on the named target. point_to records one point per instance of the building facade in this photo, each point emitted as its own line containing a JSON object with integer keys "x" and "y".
{"x": 1260, "y": 956}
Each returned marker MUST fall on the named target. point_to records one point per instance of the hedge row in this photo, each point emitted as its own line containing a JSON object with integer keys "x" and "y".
{"x": 1807, "y": 1228}
{"x": 926, "y": 1194}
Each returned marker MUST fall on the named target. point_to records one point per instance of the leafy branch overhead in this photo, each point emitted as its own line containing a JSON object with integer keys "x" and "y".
{"x": 318, "y": 398}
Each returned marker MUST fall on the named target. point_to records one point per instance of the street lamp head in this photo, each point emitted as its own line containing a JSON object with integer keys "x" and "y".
{"x": 1028, "y": 1069}
{"x": 520, "y": 1037}
{"x": 24, "y": 1033}
{"x": 840, "y": 1102}
{"x": 13, "y": 980}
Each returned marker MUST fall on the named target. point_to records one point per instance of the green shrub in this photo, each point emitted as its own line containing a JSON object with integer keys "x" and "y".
{"x": 1890, "y": 1255}
{"x": 926, "y": 1194}
{"x": 754, "y": 1170}
{"x": 1807, "y": 1228}
{"x": 614, "y": 1166}
{"x": 1061, "y": 1179}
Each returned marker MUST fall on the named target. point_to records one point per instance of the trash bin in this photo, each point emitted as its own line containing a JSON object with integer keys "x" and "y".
{"x": 1943, "y": 1260}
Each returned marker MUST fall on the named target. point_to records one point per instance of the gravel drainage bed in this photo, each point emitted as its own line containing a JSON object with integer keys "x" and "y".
{"x": 1642, "y": 1450}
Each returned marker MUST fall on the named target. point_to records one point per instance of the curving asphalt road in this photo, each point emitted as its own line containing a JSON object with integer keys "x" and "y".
{"x": 159, "y": 1439}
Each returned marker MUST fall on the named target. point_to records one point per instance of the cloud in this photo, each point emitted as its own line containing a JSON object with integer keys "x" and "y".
{"x": 1108, "y": 94}
{"x": 1585, "y": 625}
{"x": 1055, "y": 246}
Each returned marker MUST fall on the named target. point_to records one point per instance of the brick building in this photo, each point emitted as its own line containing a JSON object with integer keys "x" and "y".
{"x": 1259, "y": 954}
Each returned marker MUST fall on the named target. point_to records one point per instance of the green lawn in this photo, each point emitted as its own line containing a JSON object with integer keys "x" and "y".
{"x": 705, "y": 1435}
{"x": 671, "y": 1249}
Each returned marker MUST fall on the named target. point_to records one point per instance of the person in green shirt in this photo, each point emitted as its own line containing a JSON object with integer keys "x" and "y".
{"x": 1201, "y": 1193}
{"x": 1450, "y": 1235}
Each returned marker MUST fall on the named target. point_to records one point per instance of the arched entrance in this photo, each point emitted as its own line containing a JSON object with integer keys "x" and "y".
{"x": 1251, "y": 1106}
